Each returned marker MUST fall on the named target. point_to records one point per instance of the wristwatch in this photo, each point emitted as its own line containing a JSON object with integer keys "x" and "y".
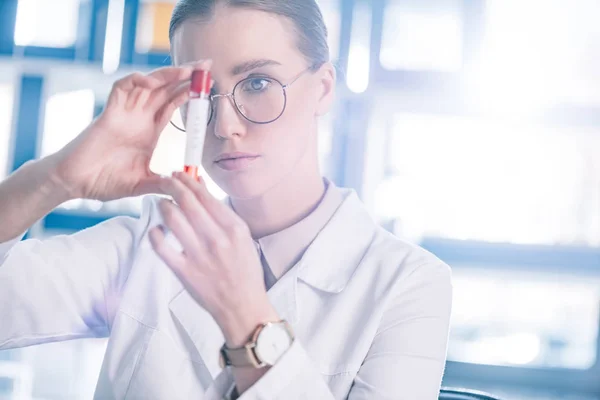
{"x": 268, "y": 343}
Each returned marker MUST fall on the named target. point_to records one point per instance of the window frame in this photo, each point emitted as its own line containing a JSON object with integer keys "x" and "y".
{"x": 583, "y": 261}
{"x": 447, "y": 90}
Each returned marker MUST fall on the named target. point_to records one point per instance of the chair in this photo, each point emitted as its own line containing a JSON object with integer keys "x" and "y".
{"x": 464, "y": 394}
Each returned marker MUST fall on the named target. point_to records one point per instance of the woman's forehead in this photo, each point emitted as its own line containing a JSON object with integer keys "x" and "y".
{"x": 234, "y": 37}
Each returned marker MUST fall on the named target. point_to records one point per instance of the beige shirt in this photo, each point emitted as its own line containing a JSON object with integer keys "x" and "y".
{"x": 280, "y": 251}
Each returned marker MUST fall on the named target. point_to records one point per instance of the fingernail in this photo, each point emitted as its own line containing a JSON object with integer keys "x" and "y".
{"x": 161, "y": 228}
{"x": 201, "y": 63}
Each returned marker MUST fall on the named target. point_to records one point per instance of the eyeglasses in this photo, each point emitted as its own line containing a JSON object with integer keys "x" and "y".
{"x": 259, "y": 99}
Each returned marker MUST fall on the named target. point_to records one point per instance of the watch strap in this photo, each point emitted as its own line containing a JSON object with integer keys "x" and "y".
{"x": 240, "y": 357}
{"x": 245, "y": 356}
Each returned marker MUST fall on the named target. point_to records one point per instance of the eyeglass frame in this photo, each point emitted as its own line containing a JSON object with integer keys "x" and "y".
{"x": 230, "y": 95}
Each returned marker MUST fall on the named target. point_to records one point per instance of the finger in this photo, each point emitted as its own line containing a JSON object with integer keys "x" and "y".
{"x": 175, "y": 220}
{"x": 169, "y": 98}
{"x": 163, "y": 95}
{"x": 121, "y": 92}
{"x": 200, "y": 64}
{"x": 137, "y": 79}
{"x": 173, "y": 258}
{"x": 143, "y": 96}
{"x": 166, "y": 75}
{"x": 223, "y": 215}
{"x": 152, "y": 184}
{"x": 201, "y": 221}
{"x": 170, "y": 74}
{"x": 164, "y": 114}
{"x": 183, "y": 74}
{"x": 134, "y": 97}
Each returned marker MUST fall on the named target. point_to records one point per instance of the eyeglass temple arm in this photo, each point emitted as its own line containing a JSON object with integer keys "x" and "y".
{"x": 299, "y": 76}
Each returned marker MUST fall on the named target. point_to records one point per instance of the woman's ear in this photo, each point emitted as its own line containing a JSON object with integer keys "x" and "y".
{"x": 327, "y": 80}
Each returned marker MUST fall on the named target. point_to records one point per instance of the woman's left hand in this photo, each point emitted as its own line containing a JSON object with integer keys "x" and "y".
{"x": 219, "y": 265}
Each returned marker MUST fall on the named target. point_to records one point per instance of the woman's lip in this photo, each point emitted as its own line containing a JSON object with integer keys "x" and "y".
{"x": 235, "y": 154}
{"x": 236, "y": 164}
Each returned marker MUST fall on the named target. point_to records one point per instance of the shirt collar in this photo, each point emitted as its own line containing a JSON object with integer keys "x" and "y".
{"x": 332, "y": 257}
{"x": 283, "y": 249}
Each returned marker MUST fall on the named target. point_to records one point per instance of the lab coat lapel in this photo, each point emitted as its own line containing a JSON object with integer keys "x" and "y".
{"x": 331, "y": 260}
{"x": 202, "y": 333}
{"x": 199, "y": 332}
{"x": 283, "y": 296}
{"x": 198, "y": 323}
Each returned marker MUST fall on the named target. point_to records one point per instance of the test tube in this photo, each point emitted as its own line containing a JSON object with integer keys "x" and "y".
{"x": 196, "y": 121}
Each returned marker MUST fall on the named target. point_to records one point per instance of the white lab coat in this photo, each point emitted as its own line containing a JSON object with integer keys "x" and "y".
{"x": 370, "y": 312}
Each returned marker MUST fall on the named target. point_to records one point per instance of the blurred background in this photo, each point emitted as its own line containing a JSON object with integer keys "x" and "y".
{"x": 471, "y": 127}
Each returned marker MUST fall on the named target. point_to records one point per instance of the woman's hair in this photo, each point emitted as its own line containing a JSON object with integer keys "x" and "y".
{"x": 304, "y": 14}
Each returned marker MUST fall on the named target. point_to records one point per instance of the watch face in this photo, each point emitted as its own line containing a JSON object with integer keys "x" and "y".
{"x": 272, "y": 342}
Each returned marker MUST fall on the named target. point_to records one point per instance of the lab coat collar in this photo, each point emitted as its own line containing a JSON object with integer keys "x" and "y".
{"x": 331, "y": 260}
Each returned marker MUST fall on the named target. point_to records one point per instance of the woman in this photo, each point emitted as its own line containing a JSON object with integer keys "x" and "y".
{"x": 288, "y": 290}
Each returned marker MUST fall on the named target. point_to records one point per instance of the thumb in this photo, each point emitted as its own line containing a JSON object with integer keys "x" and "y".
{"x": 151, "y": 184}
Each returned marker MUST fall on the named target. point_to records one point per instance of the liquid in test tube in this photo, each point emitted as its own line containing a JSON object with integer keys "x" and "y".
{"x": 196, "y": 121}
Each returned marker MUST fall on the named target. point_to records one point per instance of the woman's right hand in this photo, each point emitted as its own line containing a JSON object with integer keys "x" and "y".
{"x": 110, "y": 159}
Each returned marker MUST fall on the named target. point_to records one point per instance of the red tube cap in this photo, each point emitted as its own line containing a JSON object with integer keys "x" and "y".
{"x": 201, "y": 81}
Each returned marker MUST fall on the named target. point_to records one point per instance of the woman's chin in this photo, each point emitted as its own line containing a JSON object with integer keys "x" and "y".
{"x": 242, "y": 186}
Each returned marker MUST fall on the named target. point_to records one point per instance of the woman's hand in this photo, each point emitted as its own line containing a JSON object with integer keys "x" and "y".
{"x": 219, "y": 265}
{"x": 111, "y": 158}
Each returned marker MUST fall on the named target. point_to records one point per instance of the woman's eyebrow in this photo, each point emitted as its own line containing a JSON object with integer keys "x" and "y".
{"x": 252, "y": 64}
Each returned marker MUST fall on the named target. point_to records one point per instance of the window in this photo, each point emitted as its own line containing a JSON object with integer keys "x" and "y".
{"x": 47, "y": 23}
{"x": 516, "y": 319}
{"x": 332, "y": 16}
{"x": 67, "y": 114}
{"x": 153, "y": 26}
{"x": 478, "y": 179}
{"x": 359, "y": 56}
{"x": 6, "y": 108}
{"x": 63, "y": 370}
{"x": 539, "y": 53}
{"x": 422, "y": 35}
{"x": 113, "y": 38}
{"x": 325, "y": 142}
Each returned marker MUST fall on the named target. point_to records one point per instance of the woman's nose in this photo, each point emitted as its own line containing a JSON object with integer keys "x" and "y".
{"x": 227, "y": 121}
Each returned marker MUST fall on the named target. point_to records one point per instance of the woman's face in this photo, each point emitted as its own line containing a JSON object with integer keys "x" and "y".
{"x": 245, "y": 43}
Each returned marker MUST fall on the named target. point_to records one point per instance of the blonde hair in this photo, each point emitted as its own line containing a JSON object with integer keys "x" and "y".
{"x": 305, "y": 15}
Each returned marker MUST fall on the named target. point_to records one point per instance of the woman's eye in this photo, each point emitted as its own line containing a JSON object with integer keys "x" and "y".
{"x": 257, "y": 84}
